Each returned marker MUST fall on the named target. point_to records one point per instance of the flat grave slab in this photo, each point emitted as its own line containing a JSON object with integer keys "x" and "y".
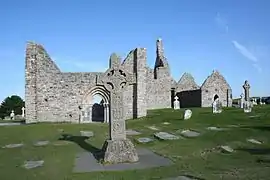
{"x": 213, "y": 128}
{"x": 10, "y": 124}
{"x": 131, "y": 132}
{"x": 41, "y": 143}
{"x": 166, "y": 123}
{"x": 87, "y": 133}
{"x": 166, "y": 136}
{"x": 226, "y": 149}
{"x": 86, "y": 162}
{"x": 184, "y": 178}
{"x": 153, "y": 128}
{"x": 9, "y": 146}
{"x": 189, "y": 133}
{"x": 144, "y": 140}
{"x": 33, "y": 164}
{"x": 254, "y": 141}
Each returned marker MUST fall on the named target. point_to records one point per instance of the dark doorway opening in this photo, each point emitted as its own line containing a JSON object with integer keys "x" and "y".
{"x": 215, "y": 97}
{"x": 98, "y": 113}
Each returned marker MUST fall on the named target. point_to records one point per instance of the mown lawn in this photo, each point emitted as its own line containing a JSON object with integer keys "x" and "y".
{"x": 192, "y": 156}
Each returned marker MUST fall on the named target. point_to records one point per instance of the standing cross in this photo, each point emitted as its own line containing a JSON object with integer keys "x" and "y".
{"x": 115, "y": 80}
{"x": 246, "y": 87}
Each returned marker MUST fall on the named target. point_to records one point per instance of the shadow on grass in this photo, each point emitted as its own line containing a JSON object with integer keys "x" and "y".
{"x": 256, "y": 151}
{"x": 193, "y": 177}
{"x": 263, "y": 161}
{"x": 262, "y": 128}
{"x": 80, "y": 140}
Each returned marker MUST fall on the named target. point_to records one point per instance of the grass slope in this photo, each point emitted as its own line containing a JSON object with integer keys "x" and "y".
{"x": 193, "y": 156}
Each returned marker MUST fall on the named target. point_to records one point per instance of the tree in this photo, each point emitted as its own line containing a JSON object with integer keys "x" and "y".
{"x": 11, "y": 103}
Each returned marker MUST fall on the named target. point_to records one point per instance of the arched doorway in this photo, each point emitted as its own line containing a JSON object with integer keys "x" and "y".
{"x": 216, "y": 97}
{"x": 95, "y": 106}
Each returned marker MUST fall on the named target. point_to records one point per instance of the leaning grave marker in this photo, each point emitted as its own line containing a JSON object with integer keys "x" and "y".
{"x": 118, "y": 148}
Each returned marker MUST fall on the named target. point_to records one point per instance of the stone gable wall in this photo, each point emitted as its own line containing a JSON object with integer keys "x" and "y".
{"x": 216, "y": 84}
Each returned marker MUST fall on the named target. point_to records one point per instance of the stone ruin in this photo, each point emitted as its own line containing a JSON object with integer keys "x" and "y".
{"x": 55, "y": 96}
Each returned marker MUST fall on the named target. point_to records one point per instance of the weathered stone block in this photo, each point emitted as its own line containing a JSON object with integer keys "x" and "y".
{"x": 119, "y": 151}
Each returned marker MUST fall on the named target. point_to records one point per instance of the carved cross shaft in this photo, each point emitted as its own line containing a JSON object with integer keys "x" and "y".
{"x": 246, "y": 87}
{"x": 115, "y": 81}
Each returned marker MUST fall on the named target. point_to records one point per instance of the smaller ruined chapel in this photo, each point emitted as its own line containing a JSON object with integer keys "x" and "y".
{"x": 55, "y": 96}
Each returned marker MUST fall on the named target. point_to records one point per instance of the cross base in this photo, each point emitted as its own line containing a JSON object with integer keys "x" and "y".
{"x": 119, "y": 151}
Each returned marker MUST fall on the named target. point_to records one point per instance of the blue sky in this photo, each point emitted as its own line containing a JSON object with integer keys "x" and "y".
{"x": 199, "y": 36}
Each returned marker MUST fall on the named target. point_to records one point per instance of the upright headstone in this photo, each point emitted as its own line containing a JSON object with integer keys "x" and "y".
{"x": 176, "y": 103}
{"x": 214, "y": 106}
{"x": 260, "y": 102}
{"x": 118, "y": 148}
{"x": 247, "y": 105}
{"x": 254, "y": 102}
{"x": 12, "y": 115}
{"x": 242, "y": 100}
{"x": 217, "y": 106}
{"x": 23, "y": 112}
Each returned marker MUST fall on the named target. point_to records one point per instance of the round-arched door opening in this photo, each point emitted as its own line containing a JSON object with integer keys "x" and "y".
{"x": 97, "y": 109}
{"x": 216, "y": 97}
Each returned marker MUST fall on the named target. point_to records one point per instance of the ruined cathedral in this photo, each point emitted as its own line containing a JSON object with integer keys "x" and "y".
{"x": 55, "y": 96}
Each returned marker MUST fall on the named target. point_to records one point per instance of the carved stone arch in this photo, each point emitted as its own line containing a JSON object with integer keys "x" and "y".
{"x": 87, "y": 104}
{"x": 100, "y": 90}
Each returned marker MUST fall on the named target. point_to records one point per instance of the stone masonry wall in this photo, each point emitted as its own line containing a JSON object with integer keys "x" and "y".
{"x": 60, "y": 100}
{"x": 55, "y": 96}
{"x": 186, "y": 83}
{"x": 215, "y": 84}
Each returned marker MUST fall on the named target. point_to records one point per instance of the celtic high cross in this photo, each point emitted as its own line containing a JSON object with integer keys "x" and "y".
{"x": 118, "y": 148}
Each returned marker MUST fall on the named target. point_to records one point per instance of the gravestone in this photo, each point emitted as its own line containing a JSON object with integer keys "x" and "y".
{"x": 213, "y": 128}
{"x": 153, "y": 128}
{"x": 254, "y": 102}
{"x": 23, "y": 112}
{"x": 254, "y": 141}
{"x": 87, "y": 133}
{"x": 165, "y": 136}
{"x": 227, "y": 149}
{"x": 217, "y": 106}
{"x": 41, "y": 143}
{"x": 13, "y": 145}
{"x": 12, "y": 115}
{"x": 117, "y": 149}
{"x": 260, "y": 101}
{"x": 33, "y": 164}
{"x": 176, "y": 103}
{"x": 242, "y": 101}
{"x": 189, "y": 133}
{"x": 187, "y": 114}
{"x": 132, "y": 132}
{"x": 144, "y": 140}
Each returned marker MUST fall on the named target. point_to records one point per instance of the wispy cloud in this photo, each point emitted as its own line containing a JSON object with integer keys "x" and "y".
{"x": 252, "y": 54}
{"x": 249, "y": 54}
{"x": 256, "y": 66}
{"x": 244, "y": 51}
{"x": 222, "y": 22}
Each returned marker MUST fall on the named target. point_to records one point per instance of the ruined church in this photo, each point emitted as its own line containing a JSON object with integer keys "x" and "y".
{"x": 55, "y": 96}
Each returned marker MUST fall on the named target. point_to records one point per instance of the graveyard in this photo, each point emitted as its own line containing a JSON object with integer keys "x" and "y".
{"x": 227, "y": 145}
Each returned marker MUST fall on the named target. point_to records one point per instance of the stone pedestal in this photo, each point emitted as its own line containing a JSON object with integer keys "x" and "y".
{"x": 119, "y": 151}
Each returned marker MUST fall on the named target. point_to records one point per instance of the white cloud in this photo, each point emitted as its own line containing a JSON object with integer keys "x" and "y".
{"x": 250, "y": 55}
{"x": 222, "y": 22}
{"x": 244, "y": 51}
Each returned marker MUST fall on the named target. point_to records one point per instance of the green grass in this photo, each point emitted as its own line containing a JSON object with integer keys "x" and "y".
{"x": 191, "y": 156}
